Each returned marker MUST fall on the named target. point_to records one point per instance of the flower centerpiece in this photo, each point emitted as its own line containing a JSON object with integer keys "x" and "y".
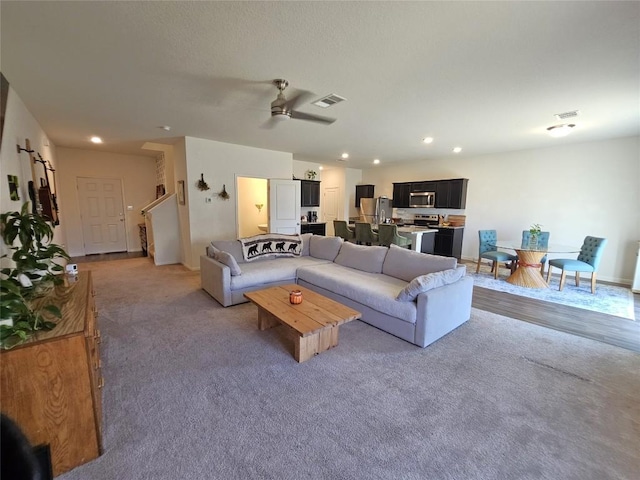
{"x": 534, "y": 234}
{"x": 311, "y": 174}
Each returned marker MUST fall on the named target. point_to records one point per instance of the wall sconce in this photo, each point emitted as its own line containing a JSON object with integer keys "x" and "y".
{"x": 259, "y": 206}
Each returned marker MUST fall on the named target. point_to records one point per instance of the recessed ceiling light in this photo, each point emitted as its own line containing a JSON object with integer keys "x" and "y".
{"x": 457, "y": 150}
{"x": 96, "y": 140}
{"x": 166, "y": 128}
{"x": 561, "y": 130}
{"x": 345, "y": 155}
{"x": 320, "y": 167}
{"x": 376, "y": 161}
{"x": 428, "y": 140}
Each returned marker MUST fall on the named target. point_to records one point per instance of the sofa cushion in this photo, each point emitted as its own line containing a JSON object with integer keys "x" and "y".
{"x": 323, "y": 247}
{"x": 227, "y": 259}
{"x": 234, "y": 247}
{"x": 306, "y": 238}
{"x": 375, "y": 290}
{"x": 361, "y": 257}
{"x": 427, "y": 282}
{"x": 408, "y": 264}
{"x": 271, "y": 270}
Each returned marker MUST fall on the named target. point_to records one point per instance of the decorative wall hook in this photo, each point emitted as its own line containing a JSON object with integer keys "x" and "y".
{"x": 202, "y": 185}
{"x": 20, "y": 149}
{"x": 223, "y": 194}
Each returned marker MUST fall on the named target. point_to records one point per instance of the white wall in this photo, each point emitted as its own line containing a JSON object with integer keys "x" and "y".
{"x": 220, "y": 163}
{"x": 572, "y": 190}
{"x": 19, "y": 125}
{"x": 138, "y": 176}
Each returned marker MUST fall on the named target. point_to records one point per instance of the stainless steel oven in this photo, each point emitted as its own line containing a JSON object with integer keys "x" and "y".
{"x": 422, "y": 199}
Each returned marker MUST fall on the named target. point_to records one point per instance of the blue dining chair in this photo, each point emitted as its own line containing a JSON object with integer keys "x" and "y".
{"x": 543, "y": 241}
{"x": 487, "y": 249}
{"x": 587, "y": 261}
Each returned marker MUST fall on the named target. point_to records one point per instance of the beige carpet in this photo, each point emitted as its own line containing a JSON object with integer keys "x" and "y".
{"x": 195, "y": 391}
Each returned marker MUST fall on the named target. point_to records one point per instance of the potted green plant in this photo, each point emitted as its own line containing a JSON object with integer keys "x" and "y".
{"x": 311, "y": 174}
{"x": 534, "y": 234}
{"x": 31, "y": 274}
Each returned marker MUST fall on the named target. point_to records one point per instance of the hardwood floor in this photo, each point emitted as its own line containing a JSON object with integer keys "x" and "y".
{"x": 617, "y": 331}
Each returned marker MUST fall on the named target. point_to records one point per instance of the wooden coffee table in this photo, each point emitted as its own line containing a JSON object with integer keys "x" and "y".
{"x": 314, "y": 323}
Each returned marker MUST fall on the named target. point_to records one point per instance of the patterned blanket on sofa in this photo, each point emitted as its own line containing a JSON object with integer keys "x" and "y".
{"x": 271, "y": 245}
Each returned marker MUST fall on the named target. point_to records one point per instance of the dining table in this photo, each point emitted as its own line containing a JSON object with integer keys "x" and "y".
{"x": 527, "y": 273}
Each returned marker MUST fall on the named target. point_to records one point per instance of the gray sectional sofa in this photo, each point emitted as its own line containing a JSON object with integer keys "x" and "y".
{"x": 414, "y": 296}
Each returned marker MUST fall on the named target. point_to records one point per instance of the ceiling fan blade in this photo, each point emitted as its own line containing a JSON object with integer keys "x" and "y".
{"x": 312, "y": 118}
{"x": 269, "y": 124}
{"x": 298, "y": 99}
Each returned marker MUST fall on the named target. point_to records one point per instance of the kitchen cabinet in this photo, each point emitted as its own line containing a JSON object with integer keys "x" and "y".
{"x": 310, "y": 193}
{"x": 401, "y": 193}
{"x": 423, "y": 186}
{"x": 451, "y": 193}
{"x": 448, "y": 242}
{"x": 51, "y": 385}
{"x": 315, "y": 228}
{"x": 364, "y": 191}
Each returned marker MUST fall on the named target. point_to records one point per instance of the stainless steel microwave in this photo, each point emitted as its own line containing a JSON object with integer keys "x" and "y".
{"x": 422, "y": 199}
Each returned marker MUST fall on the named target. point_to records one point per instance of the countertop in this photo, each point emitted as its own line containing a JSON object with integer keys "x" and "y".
{"x": 313, "y": 223}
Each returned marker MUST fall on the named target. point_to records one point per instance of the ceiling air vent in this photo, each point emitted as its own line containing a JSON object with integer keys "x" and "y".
{"x": 329, "y": 100}
{"x": 565, "y": 115}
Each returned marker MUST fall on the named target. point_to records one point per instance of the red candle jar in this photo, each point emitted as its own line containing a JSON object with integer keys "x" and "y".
{"x": 295, "y": 297}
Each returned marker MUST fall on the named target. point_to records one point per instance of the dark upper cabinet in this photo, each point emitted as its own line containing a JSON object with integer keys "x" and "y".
{"x": 364, "y": 191}
{"x": 310, "y": 193}
{"x": 451, "y": 193}
{"x": 423, "y": 186}
{"x": 401, "y": 193}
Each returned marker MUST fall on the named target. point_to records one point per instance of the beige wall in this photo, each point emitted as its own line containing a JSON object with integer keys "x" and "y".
{"x": 220, "y": 163}
{"x": 138, "y": 177}
{"x": 572, "y": 190}
{"x": 19, "y": 125}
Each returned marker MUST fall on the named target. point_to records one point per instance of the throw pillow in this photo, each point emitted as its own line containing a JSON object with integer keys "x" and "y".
{"x": 227, "y": 259}
{"x": 306, "y": 238}
{"x": 361, "y": 257}
{"x": 427, "y": 282}
{"x": 234, "y": 247}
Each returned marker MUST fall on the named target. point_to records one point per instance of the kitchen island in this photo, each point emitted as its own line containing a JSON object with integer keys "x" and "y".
{"x": 422, "y": 238}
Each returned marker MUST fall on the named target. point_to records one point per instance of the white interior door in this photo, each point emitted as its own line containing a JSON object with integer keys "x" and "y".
{"x": 330, "y": 209}
{"x": 284, "y": 206}
{"x": 102, "y": 214}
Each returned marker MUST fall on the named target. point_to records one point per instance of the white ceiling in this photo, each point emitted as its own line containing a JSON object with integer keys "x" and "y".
{"x": 485, "y": 76}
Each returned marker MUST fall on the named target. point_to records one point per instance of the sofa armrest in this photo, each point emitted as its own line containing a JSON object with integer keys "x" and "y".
{"x": 443, "y": 309}
{"x": 215, "y": 279}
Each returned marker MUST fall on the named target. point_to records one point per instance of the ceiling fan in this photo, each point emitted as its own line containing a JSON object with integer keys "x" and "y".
{"x": 284, "y": 109}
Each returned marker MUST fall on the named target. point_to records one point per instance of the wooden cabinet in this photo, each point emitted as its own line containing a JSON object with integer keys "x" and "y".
{"x": 451, "y": 193}
{"x": 364, "y": 191}
{"x": 401, "y": 193}
{"x": 315, "y": 228}
{"x": 310, "y": 193}
{"x": 423, "y": 186}
{"x": 51, "y": 386}
{"x": 448, "y": 242}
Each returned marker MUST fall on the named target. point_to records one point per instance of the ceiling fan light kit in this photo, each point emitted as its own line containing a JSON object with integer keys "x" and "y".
{"x": 561, "y": 130}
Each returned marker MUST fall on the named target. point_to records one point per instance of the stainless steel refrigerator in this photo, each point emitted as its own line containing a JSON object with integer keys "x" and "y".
{"x": 375, "y": 210}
